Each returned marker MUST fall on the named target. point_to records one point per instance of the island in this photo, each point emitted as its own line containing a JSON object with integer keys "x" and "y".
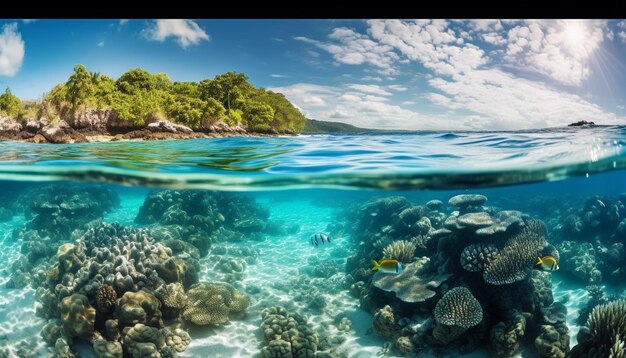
{"x": 141, "y": 105}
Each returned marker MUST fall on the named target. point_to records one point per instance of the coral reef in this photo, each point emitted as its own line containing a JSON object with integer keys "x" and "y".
{"x": 475, "y": 284}
{"x": 591, "y": 239}
{"x": 202, "y": 218}
{"x": 118, "y": 289}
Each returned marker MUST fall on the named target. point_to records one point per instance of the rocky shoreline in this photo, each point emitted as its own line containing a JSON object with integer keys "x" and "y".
{"x": 60, "y": 131}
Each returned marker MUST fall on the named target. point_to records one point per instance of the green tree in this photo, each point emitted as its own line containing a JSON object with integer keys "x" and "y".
{"x": 258, "y": 115}
{"x": 9, "y": 103}
{"x": 213, "y": 112}
{"x": 79, "y": 87}
{"x": 230, "y": 89}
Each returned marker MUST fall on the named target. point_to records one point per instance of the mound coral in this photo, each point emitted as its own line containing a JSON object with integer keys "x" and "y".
{"x": 400, "y": 250}
{"x": 212, "y": 303}
{"x": 287, "y": 334}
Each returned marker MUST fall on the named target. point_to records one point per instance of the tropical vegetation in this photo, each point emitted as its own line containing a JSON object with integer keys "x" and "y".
{"x": 139, "y": 97}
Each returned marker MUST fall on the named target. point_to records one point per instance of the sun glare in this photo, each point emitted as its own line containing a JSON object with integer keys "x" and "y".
{"x": 576, "y": 36}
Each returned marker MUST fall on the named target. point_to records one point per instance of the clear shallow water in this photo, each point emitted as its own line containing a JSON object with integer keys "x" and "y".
{"x": 273, "y": 262}
{"x": 430, "y": 160}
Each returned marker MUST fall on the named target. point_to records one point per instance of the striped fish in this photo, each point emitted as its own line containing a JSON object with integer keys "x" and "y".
{"x": 319, "y": 239}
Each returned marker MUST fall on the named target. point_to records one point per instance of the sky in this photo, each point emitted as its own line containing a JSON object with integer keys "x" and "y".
{"x": 390, "y": 74}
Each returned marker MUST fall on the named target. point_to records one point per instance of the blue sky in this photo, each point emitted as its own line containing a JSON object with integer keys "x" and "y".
{"x": 421, "y": 74}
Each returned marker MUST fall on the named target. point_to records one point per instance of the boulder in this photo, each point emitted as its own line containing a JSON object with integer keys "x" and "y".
{"x": 167, "y": 126}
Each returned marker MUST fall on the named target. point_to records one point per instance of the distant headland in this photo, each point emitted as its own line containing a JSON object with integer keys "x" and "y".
{"x": 141, "y": 105}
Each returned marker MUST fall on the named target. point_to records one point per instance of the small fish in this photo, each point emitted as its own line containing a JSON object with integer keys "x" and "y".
{"x": 319, "y": 238}
{"x": 601, "y": 203}
{"x": 387, "y": 266}
{"x": 548, "y": 263}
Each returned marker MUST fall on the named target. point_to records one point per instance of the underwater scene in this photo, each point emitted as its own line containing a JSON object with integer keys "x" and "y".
{"x": 475, "y": 244}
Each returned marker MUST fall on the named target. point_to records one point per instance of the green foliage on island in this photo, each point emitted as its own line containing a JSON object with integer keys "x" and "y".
{"x": 9, "y": 104}
{"x": 139, "y": 96}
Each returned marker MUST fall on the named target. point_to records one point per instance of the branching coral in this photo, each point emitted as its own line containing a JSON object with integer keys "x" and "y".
{"x": 400, "y": 250}
{"x": 605, "y": 327}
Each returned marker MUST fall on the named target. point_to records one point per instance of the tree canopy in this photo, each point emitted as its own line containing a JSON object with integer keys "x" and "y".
{"x": 138, "y": 95}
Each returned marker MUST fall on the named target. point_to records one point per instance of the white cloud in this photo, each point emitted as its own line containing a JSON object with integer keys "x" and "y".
{"x": 560, "y": 49}
{"x": 101, "y": 43}
{"x": 372, "y": 78}
{"x": 398, "y": 88}
{"x": 11, "y": 50}
{"x": 123, "y": 22}
{"x": 371, "y": 89}
{"x": 185, "y": 32}
{"x": 353, "y": 107}
{"x": 278, "y": 75}
{"x": 622, "y": 36}
{"x": 29, "y": 21}
{"x": 620, "y": 107}
{"x": 470, "y": 93}
{"x": 351, "y": 48}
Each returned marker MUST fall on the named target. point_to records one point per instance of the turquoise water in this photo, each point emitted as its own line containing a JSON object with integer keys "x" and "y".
{"x": 188, "y": 248}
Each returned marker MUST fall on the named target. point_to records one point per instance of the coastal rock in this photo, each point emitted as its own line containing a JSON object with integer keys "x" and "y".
{"x": 9, "y": 125}
{"x": 167, "y": 126}
{"x": 61, "y": 132}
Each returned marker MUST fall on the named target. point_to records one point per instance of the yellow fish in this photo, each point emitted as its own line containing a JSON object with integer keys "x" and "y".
{"x": 387, "y": 266}
{"x": 548, "y": 263}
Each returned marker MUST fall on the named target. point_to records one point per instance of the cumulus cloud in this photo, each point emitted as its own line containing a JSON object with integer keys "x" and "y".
{"x": 354, "y": 107}
{"x": 351, "y": 48}
{"x": 11, "y": 50}
{"x": 559, "y": 49}
{"x": 278, "y": 75}
{"x": 184, "y": 32}
{"x": 472, "y": 92}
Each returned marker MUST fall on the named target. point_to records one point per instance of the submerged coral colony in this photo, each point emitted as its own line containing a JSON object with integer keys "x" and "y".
{"x": 469, "y": 277}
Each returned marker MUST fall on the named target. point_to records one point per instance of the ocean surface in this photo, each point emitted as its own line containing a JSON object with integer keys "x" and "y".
{"x": 263, "y": 247}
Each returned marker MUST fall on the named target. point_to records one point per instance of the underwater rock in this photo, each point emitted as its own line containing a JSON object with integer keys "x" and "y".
{"x": 502, "y": 221}
{"x": 178, "y": 340}
{"x": 476, "y": 257}
{"x": 518, "y": 256}
{"x": 404, "y": 345}
{"x": 286, "y": 334}
{"x": 402, "y": 251}
{"x": 212, "y": 303}
{"x": 412, "y": 284}
{"x": 434, "y": 204}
